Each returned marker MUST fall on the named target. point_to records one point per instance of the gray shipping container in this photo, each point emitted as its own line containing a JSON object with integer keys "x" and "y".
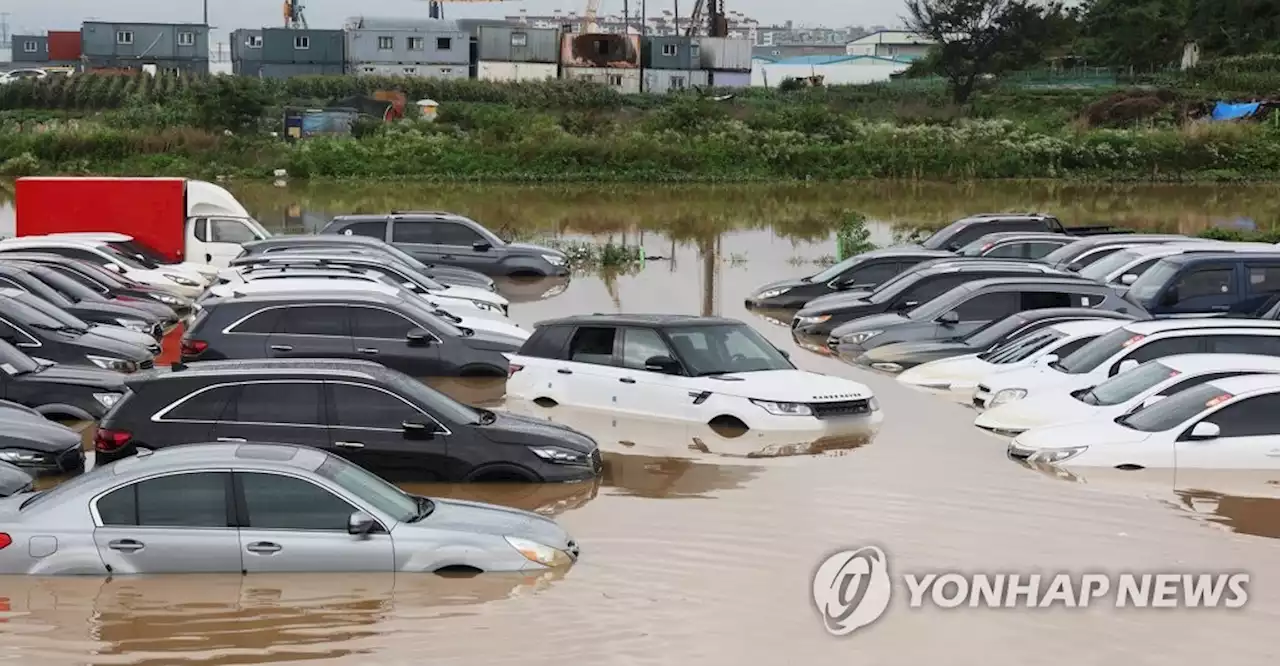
{"x": 519, "y": 44}
{"x": 292, "y": 46}
{"x": 123, "y": 44}
{"x": 661, "y": 81}
{"x": 246, "y": 48}
{"x": 671, "y": 53}
{"x": 407, "y": 42}
{"x": 271, "y": 70}
{"x": 30, "y": 48}
{"x": 725, "y": 54}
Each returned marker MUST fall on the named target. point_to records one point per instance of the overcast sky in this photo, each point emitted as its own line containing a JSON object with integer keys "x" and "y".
{"x": 27, "y": 16}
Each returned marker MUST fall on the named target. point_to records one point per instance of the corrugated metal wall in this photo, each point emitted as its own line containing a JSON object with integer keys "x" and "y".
{"x": 518, "y": 44}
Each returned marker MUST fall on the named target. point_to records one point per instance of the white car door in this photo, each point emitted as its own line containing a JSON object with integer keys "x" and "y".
{"x": 650, "y": 392}
{"x": 1248, "y": 437}
{"x": 589, "y": 376}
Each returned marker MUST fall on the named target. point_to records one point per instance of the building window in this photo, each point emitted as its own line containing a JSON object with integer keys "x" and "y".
{"x": 410, "y": 70}
{"x": 615, "y": 79}
{"x": 368, "y": 70}
{"x": 669, "y": 49}
{"x": 173, "y": 70}
{"x": 386, "y": 43}
{"x": 446, "y": 70}
{"x": 31, "y": 46}
{"x": 124, "y": 36}
{"x": 255, "y": 42}
{"x": 519, "y": 39}
{"x": 186, "y": 39}
{"x": 694, "y": 50}
{"x": 301, "y": 42}
{"x": 677, "y": 83}
{"x": 444, "y": 43}
{"x": 415, "y": 43}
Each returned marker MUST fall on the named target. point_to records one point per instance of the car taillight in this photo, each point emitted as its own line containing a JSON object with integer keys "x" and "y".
{"x": 194, "y": 347}
{"x": 512, "y": 369}
{"x": 110, "y": 440}
{"x": 5, "y": 540}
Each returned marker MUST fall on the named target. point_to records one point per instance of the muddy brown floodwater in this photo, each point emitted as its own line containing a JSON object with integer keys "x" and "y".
{"x": 699, "y": 558}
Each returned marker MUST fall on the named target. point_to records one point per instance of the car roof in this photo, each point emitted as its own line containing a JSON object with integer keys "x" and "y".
{"x": 1199, "y": 363}
{"x": 269, "y": 368}
{"x": 305, "y": 283}
{"x": 275, "y": 297}
{"x": 401, "y": 214}
{"x": 318, "y": 239}
{"x": 1120, "y": 239}
{"x": 103, "y": 236}
{"x": 1246, "y": 383}
{"x": 647, "y": 320}
{"x": 317, "y": 257}
{"x": 903, "y": 251}
{"x": 998, "y": 236}
{"x": 1087, "y": 326}
{"x": 986, "y": 263}
{"x": 1191, "y": 257}
{"x": 984, "y": 217}
{"x": 52, "y": 241}
{"x": 1064, "y": 280}
{"x": 1154, "y": 326}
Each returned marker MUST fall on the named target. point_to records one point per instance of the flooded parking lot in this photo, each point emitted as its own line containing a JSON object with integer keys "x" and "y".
{"x": 695, "y": 555}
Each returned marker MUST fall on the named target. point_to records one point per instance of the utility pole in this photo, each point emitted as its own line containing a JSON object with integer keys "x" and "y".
{"x": 206, "y": 12}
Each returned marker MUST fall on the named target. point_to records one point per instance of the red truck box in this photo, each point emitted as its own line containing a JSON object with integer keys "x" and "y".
{"x": 152, "y": 210}
{"x": 64, "y": 45}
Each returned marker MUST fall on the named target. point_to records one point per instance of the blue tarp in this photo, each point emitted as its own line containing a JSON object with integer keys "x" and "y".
{"x": 1225, "y": 111}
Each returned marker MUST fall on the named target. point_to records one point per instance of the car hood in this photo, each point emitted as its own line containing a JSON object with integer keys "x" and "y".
{"x": 477, "y": 517}
{"x": 1104, "y": 432}
{"x": 876, "y": 322}
{"x": 840, "y": 299}
{"x": 516, "y": 429}
{"x": 154, "y": 308}
{"x": 787, "y": 386}
{"x": 1035, "y": 377}
{"x": 38, "y": 435}
{"x": 492, "y": 341}
{"x": 78, "y": 375}
{"x": 473, "y": 294}
{"x": 531, "y": 249}
{"x": 113, "y": 310}
{"x": 122, "y": 334}
{"x": 13, "y": 480}
{"x": 497, "y": 326}
{"x": 1038, "y": 411}
{"x": 781, "y": 284}
{"x": 100, "y": 344}
{"x": 966, "y": 369}
{"x": 207, "y": 271}
{"x": 917, "y": 352}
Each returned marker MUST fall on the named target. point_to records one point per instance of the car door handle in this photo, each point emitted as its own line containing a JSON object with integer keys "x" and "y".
{"x": 627, "y": 380}
{"x": 231, "y": 439}
{"x": 565, "y": 371}
{"x": 349, "y": 445}
{"x": 368, "y": 350}
{"x": 1273, "y": 453}
{"x": 264, "y": 547}
{"x": 446, "y": 256}
{"x": 281, "y": 347}
{"x": 126, "y": 545}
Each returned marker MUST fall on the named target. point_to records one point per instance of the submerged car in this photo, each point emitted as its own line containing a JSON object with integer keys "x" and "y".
{"x": 1123, "y": 393}
{"x": 262, "y": 508}
{"x": 37, "y": 445}
{"x": 344, "y": 244}
{"x": 108, "y": 284}
{"x": 1086, "y": 251}
{"x": 705, "y": 370}
{"x": 1227, "y": 424}
{"x": 1029, "y": 245}
{"x": 55, "y": 390}
{"x": 861, "y": 272}
{"x": 60, "y": 341}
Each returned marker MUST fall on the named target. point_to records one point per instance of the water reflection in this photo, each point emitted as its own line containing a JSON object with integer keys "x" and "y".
{"x": 548, "y": 499}
{"x": 524, "y": 290}
{"x": 232, "y": 619}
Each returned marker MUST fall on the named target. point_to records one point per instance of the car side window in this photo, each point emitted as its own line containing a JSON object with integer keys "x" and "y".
{"x": 76, "y": 253}
{"x": 1039, "y": 249}
{"x": 1265, "y": 345}
{"x": 196, "y": 499}
{"x": 261, "y": 322}
{"x": 279, "y": 502}
{"x": 641, "y": 344}
{"x": 82, "y": 279}
{"x": 453, "y": 233}
{"x": 277, "y": 403}
{"x": 1039, "y": 300}
{"x": 1195, "y": 381}
{"x": 207, "y": 406}
{"x": 1189, "y": 344}
{"x": 230, "y": 231}
{"x": 872, "y": 274}
{"x": 1251, "y": 417}
{"x": 547, "y": 342}
{"x": 1007, "y": 251}
{"x": 1209, "y": 281}
{"x": 371, "y": 229}
{"x": 420, "y": 231}
{"x": 327, "y": 320}
{"x": 592, "y": 344}
{"x": 14, "y": 335}
{"x": 378, "y": 323}
{"x": 356, "y": 406}
{"x": 6, "y": 282}
{"x": 1264, "y": 279}
{"x": 1090, "y": 257}
{"x": 200, "y": 229}
{"x": 1140, "y": 268}
{"x": 930, "y": 288}
{"x": 986, "y": 307}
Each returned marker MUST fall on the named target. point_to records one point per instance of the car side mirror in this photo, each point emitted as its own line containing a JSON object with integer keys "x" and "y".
{"x": 1127, "y": 365}
{"x": 1205, "y": 430}
{"x": 1047, "y": 359}
{"x": 361, "y": 524}
{"x": 663, "y": 364}
{"x": 481, "y": 246}
{"x": 907, "y": 305}
{"x": 416, "y": 430}
{"x": 949, "y": 319}
{"x": 1152, "y": 400}
{"x": 417, "y": 338}
{"x": 1128, "y": 279}
{"x": 1075, "y": 266}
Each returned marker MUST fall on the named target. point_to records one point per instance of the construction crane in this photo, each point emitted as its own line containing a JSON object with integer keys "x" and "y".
{"x": 589, "y": 25}
{"x": 717, "y": 24}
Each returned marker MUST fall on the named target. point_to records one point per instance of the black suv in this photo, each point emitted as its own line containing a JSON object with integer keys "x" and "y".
{"x": 375, "y": 417}
{"x": 437, "y": 237}
{"x": 55, "y": 390}
{"x": 398, "y": 333}
{"x": 37, "y": 445}
{"x": 341, "y": 243}
{"x": 73, "y": 298}
{"x": 59, "y": 341}
{"x": 861, "y": 272}
{"x": 110, "y": 285}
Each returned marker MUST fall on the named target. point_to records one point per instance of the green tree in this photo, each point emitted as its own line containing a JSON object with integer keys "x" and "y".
{"x": 1144, "y": 34}
{"x": 227, "y": 102}
{"x": 980, "y": 38}
{"x": 1235, "y": 27}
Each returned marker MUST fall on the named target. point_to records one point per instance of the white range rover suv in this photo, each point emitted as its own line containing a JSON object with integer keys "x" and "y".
{"x": 696, "y": 370}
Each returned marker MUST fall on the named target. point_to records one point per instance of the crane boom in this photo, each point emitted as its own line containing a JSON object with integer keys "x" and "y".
{"x": 589, "y": 24}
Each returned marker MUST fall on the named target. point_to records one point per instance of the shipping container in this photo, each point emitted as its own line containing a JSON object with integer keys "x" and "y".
{"x": 516, "y": 71}
{"x": 64, "y": 45}
{"x": 725, "y": 54}
{"x": 29, "y": 48}
{"x": 726, "y": 79}
{"x": 661, "y": 81}
{"x": 273, "y": 70}
{"x": 407, "y": 42}
{"x": 592, "y": 51}
{"x": 518, "y": 44}
{"x": 303, "y": 46}
{"x": 167, "y": 46}
{"x": 426, "y": 71}
{"x": 626, "y": 81}
{"x": 246, "y": 49}
{"x": 671, "y": 53}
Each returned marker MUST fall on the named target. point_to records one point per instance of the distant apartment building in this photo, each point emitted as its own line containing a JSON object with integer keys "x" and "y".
{"x": 278, "y": 53}
{"x": 58, "y": 47}
{"x": 170, "y": 47}
{"x": 429, "y": 48}
{"x": 664, "y": 24}
{"x": 517, "y": 53}
{"x": 896, "y": 44}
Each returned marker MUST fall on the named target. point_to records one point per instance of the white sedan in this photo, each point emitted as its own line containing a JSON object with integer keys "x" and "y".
{"x": 1141, "y": 386}
{"x": 961, "y": 374}
{"x": 1223, "y": 424}
{"x": 175, "y": 278}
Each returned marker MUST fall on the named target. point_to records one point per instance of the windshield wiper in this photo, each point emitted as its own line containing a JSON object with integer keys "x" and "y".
{"x": 425, "y": 507}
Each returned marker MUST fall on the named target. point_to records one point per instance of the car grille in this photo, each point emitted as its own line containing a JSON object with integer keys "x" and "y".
{"x": 833, "y": 342}
{"x": 831, "y": 410}
{"x": 596, "y": 463}
{"x": 147, "y": 364}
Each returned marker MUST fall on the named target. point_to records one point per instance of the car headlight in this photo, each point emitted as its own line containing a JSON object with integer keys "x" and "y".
{"x": 859, "y": 337}
{"x": 887, "y": 367}
{"x": 810, "y": 321}
{"x": 555, "y": 454}
{"x": 166, "y": 298}
{"x": 135, "y": 325}
{"x": 873, "y": 404}
{"x": 784, "y": 408}
{"x": 109, "y": 363}
{"x": 20, "y": 457}
{"x": 540, "y": 553}
{"x": 1008, "y": 395}
{"x": 1056, "y": 455}
{"x": 554, "y": 259}
{"x": 770, "y": 293}
{"x": 486, "y": 306}
{"x": 107, "y": 400}
{"x": 184, "y": 281}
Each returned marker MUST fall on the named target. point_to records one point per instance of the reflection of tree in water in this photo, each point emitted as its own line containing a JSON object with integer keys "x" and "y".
{"x": 1258, "y": 516}
{"x": 663, "y": 477}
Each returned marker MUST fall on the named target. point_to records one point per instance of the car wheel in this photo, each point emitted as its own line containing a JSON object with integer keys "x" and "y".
{"x": 545, "y": 402}
{"x": 728, "y": 426}
{"x": 458, "y": 571}
{"x": 502, "y": 474}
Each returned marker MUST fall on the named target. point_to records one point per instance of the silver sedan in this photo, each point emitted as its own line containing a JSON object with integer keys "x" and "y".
{"x": 246, "y": 507}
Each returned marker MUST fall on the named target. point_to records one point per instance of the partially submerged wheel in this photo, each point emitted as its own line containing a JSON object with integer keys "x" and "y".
{"x": 545, "y": 402}
{"x": 728, "y": 426}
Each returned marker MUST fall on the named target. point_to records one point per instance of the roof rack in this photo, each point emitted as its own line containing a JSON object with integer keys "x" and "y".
{"x": 422, "y": 212}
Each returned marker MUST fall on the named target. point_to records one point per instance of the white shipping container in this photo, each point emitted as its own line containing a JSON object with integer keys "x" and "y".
{"x": 853, "y": 71}
{"x": 661, "y": 81}
{"x": 411, "y": 69}
{"x": 725, "y": 54}
{"x": 626, "y": 81}
{"x": 515, "y": 71}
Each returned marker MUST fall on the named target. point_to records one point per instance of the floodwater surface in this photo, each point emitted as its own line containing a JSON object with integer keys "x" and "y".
{"x": 691, "y": 556}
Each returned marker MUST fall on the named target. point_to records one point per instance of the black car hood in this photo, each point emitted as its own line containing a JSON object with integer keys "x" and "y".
{"x": 492, "y": 341}
{"x": 783, "y": 284}
{"x": 918, "y": 352}
{"x": 79, "y": 375}
{"x": 155, "y": 308}
{"x": 38, "y": 435}
{"x": 121, "y": 334}
{"x": 531, "y": 249}
{"x": 840, "y": 299}
{"x": 516, "y": 429}
{"x": 111, "y": 310}
{"x": 879, "y": 322}
{"x": 97, "y": 344}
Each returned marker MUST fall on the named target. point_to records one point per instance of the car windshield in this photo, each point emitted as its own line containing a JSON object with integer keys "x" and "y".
{"x": 129, "y": 260}
{"x": 142, "y": 253}
{"x": 1096, "y": 352}
{"x": 832, "y": 272}
{"x": 66, "y": 286}
{"x": 442, "y": 405}
{"x": 370, "y": 488}
{"x": 939, "y": 239}
{"x": 976, "y": 248}
{"x": 1175, "y": 409}
{"x": 1126, "y": 385}
{"x": 35, "y": 311}
{"x": 1151, "y": 282}
{"x": 1100, "y": 269}
{"x": 1021, "y": 348}
{"x": 14, "y": 361}
{"x": 725, "y": 348}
